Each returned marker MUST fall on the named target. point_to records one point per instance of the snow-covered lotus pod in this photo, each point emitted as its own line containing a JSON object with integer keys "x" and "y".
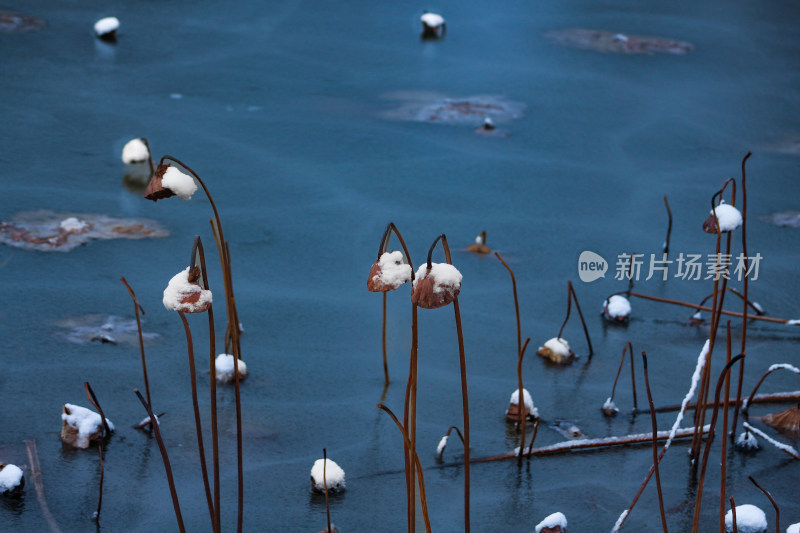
{"x": 610, "y": 408}
{"x": 11, "y": 480}
{"x": 135, "y": 152}
{"x": 388, "y": 272}
{"x": 794, "y": 528}
{"x": 184, "y": 293}
{"x": 555, "y": 523}
{"x": 433, "y": 25}
{"x": 616, "y": 309}
{"x": 787, "y": 421}
{"x": 81, "y": 426}
{"x": 333, "y": 529}
{"x": 437, "y": 286}
{"x": 223, "y": 366}
{"x": 749, "y": 519}
{"x": 169, "y": 181}
{"x": 106, "y": 28}
{"x": 512, "y": 414}
{"x": 334, "y": 476}
{"x": 747, "y": 442}
{"x": 729, "y": 219}
{"x": 479, "y": 247}
{"x": 557, "y": 350}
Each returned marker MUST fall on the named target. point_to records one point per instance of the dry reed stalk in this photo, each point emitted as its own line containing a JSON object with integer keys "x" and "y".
{"x": 655, "y": 442}
{"x": 733, "y": 516}
{"x": 709, "y": 440}
{"x": 325, "y": 485}
{"x": 533, "y": 436}
{"x": 669, "y": 226}
{"x": 93, "y": 400}
{"x": 703, "y": 308}
{"x": 102, "y": 475}
{"x": 723, "y": 474}
{"x": 521, "y": 398}
{"x": 778, "y": 397}
{"x": 165, "y": 459}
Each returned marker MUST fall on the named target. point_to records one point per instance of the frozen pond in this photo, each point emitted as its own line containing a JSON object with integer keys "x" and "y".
{"x": 312, "y": 123}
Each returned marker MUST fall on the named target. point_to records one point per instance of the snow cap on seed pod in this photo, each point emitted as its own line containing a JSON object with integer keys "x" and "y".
{"x": 747, "y": 442}
{"x": 728, "y": 216}
{"x": 436, "y": 285}
{"x": 169, "y": 181}
{"x": 184, "y": 293}
{"x": 557, "y": 350}
{"x": 135, "y": 151}
{"x": 223, "y": 367}
{"x": 512, "y": 413}
{"x": 794, "y": 528}
{"x": 555, "y": 523}
{"x": 334, "y": 476}
{"x": 106, "y": 28}
{"x": 81, "y": 426}
{"x": 388, "y": 272}
{"x": 610, "y": 408}
{"x": 749, "y": 519}
{"x": 11, "y": 480}
{"x": 479, "y": 247}
{"x": 617, "y": 308}
{"x": 433, "y": 25}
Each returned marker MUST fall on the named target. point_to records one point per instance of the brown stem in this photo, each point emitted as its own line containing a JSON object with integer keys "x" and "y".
{"x": 137, "y": 308}
{"x": 669, "y": 225}
{"x": 744, "y": 296}
{"x": 733, "y": 516}
{"x": 238, "y": 398}
{"x": 533, "y": 436}
{"x": 741, "y": 296}
{"x": 325, "y": 485}
{"x": 702, "y": 308}
{"x": 746, "y": 404}
{"x": 197, "y": 422}
{"x": 93, "y": 400}
{"x": 778, "y": 397}
{"x": 723, "y": 475}
{"x": 165, "y": 458}
{"x": 655, "y": 443}
{"x": 464, "y": 396}
{"x": 423, "y": 499}
{"x": 102, "y": 474}
{"x": 198, "y": 254}
{"x": 410, "y": 421}
{"x": 383, "y": 341}
{"x": 772, "y": 501}
{"x": 521, "y": 398}
{"x": 36, "y": 477}
{"x": 583, "y": 322}
{"x": 628, "y": 346}
{"x": 149, "y": 156}
{"x": 709, "y": 440}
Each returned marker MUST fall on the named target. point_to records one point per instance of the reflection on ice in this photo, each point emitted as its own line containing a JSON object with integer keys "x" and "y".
{"x": 620, "y": 43}
{"x": 19, "y": 23}
{"x": 48, "y": 231}
{"x": 471, "y": 111}
{"x": 106, "y": 329}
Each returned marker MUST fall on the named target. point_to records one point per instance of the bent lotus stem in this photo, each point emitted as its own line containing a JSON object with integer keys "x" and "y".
{"x": 137, "y": 308}
{"x": 744, "y": 296}
{"x": 770, "y": 370}
{"x": 733, "y": 516}
{"x": 628, "y": 346}
{"x": 572, "y": 296}
{"x": 163, "y": 449}
{"x": 747, "y": 303}
{"x": 772, "y": 501}
{"x": 423, "y": 499}
{"x": 655, "y": 442}
{"x": 198, "y": 256}
{"x": 464, "y": 396}
{"x": 703, "y": 308}
{"x": 383, "y": 248}
{"x": 520, "y": 352}
{"x": 149, "y": 155}
{"x": 102, "y": 475}
{"x": 93, "y": 400}
{"x": 197, "y": 422}
{"x": 709, "y": 440}
{"x": 533, "y": 436}
{"x": 723, "y": 471}
{"x": 232, "y": 330}
{"x": 669, "y": 226}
